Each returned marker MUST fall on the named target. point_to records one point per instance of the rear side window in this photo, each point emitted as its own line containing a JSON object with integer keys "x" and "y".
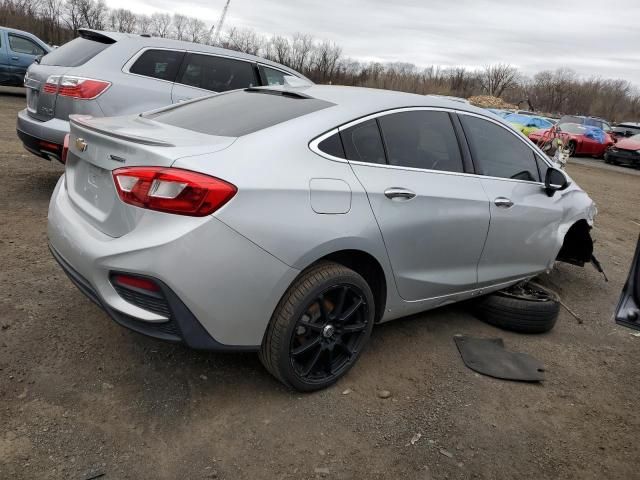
{"x": 74, "y": 53}
{"x": 332, "y": 145}
{"x": 274, "y": 77}
{"x": 239, "y": 113}
{"x": 421, "y": 139}
{"x": 499, "y": 152}
{"x": 362, "y": 143}
{"x": 217, "y": 74}
{"x": 160, "y": 64}
{"x": 24, "y": 45}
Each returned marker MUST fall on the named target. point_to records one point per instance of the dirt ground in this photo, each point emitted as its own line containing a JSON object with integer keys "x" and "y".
{"x": 81, "y": 396}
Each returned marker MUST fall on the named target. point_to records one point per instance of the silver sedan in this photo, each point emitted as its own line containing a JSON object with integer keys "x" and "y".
{"x": 290, "y": 221}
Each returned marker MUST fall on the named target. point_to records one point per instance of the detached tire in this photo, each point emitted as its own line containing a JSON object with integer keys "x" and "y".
{"x": 521, "y": 308}
{"x": 319, "y": 328}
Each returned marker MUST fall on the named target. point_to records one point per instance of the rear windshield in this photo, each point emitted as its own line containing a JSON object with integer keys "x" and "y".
{"x": 239, "y": 113}
{"x": 74, "y": 53}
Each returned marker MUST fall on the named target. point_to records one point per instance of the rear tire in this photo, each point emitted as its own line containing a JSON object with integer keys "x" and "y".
{"x": 572, "y": 149}
{"x": 319, "y": 328}
{"x": 521, "y": 308}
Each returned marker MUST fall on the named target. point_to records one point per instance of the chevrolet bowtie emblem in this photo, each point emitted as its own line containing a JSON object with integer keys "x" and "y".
{"x": 81, "y": 144}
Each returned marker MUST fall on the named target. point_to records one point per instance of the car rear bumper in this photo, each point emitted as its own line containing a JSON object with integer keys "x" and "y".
{"x": 44, "y": 139}
{"x": 220, "y": 288}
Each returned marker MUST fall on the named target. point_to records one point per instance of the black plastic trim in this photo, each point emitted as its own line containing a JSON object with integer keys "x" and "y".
{"x": 188, "y": 329}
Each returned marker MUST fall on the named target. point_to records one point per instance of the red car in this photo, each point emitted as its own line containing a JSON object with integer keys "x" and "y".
{"x": 581, "y": 139}
{"x": 626, "y": 150}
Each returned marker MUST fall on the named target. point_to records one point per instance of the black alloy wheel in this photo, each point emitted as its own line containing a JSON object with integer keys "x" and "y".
{"x": 319, "y": 328}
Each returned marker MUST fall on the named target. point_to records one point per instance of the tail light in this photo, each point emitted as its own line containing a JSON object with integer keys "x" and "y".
{"x": 172, "y": 190}
{"x": 75, "y": 87}
{"x": 65, "y": 149}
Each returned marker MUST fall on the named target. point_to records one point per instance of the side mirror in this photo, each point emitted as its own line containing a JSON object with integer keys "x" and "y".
{"x": 554, "y": 180}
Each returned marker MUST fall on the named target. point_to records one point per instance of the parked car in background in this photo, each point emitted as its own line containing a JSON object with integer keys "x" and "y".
{"x": 308, "y": 216}
{"x": 587, "y": 121}
{"x": 499, "y": 112}
{"x": 579, "y": 139}
{"x": 106, "y": 74}
{"x": 625, "y": 151}
{"x": 18, "y": 50}
{"x": 626, "y": 129}
{"x": 527, "y": 123}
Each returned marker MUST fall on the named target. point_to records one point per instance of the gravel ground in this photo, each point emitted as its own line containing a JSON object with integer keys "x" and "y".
{"x": 81, "y": 396}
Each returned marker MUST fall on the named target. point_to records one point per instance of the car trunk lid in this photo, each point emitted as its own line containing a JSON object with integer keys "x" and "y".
{"x": 40, "y": 104}
{"x": 99, "y": 146}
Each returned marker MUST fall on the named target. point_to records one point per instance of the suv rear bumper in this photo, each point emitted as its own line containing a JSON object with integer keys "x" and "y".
{"x": 44, "y": 139}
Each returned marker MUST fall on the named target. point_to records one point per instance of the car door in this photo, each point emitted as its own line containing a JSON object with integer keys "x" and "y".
{"x": 4, "y": 60}
{"x": 22, "y": 53}
{"x": 522, "y": 237}
{"x": 628, "y": 310}
{"x": 433, "y": 217}
{"x": 202, "y": 74}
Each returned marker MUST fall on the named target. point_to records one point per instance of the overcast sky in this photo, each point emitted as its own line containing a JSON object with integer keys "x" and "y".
{"x": 592, "y": 37}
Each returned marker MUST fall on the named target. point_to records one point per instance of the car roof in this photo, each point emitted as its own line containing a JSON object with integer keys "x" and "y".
{"x": 22, "y": 32}
{"x": 150, "y": 42}
{"x": 356, "y": 102}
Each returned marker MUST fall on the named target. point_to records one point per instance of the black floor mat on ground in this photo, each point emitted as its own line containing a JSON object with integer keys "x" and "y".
{"x": 488, "y": 356}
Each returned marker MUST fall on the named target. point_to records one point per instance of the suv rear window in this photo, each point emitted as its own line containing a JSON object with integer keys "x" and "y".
{"x": 161, "y": 64}
{"x": 74, "y": 53}
{"x": 239, "y": 113}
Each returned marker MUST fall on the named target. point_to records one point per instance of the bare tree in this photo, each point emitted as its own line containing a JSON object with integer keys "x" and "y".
{"x": 144, "y": 25}
{"x": 180, "y": 26}
{"x": 122, "y": 20}
{"x": 279, "y": 49}
{"x": 244, "y": 40}
{"x": 195, "y": 30}
{"x": 161, "y": 24}
{"x": 301, "y": 51}
{"x": 497, "y": 78}
{"x": 325, "y": 60}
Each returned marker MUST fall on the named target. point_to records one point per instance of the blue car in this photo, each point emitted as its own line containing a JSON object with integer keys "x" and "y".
{"x": 18, "y": 50}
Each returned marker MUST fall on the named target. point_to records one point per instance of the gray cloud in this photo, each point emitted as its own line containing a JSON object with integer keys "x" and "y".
{"x": 592, "y": 37}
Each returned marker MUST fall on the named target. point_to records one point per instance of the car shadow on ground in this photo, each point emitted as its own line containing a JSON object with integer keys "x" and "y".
{"x": 13, "y": 91}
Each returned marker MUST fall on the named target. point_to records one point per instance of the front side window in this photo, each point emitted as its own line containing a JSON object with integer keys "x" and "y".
{"x": 217, "y": 74}
{"x": 362, "y": 143}
{"x": 421, "y": 139}
{"x": 24, "y": 45}
{"x": 498, "y": 152}
{"x": 160, "y": 64}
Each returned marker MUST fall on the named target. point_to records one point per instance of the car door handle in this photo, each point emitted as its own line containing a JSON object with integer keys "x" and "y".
{"x": 15, "y": 58}
{"x": 396, "y": 193}
{"x": 503, "y": 202}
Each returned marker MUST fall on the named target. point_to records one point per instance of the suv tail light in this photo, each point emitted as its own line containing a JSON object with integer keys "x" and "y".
{"x": 172, "y": 190}
{"x": 80, "y": 88}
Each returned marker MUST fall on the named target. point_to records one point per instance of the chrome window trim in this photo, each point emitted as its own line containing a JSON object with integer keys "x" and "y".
{"x": 313, "y": 145}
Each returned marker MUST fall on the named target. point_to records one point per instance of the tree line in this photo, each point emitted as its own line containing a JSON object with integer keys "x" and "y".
{"x": 559, "y": 91}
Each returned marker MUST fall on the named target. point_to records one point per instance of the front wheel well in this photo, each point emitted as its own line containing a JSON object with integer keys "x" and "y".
{"x": 369, "y": 268}
{"x": 577, "y": 247}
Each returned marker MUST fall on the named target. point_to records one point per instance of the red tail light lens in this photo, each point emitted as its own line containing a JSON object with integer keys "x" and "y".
{"x": 65, "y": 149}
{"x": 172, "y": 190}
{"x": 75, "y": 87}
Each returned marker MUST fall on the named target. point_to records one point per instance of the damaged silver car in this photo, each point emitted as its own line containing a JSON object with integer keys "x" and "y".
{"x": 290, "y": 221}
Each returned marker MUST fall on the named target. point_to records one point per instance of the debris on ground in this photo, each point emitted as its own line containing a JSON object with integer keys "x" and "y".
{"x": 489, "y": 357}
{"x": 446, "y": 453}
{"x": 384, "y": 393}
{"x": 347, "y": 391}
{"x": 488, "y": 101}
{"x": 415, "y": 439}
